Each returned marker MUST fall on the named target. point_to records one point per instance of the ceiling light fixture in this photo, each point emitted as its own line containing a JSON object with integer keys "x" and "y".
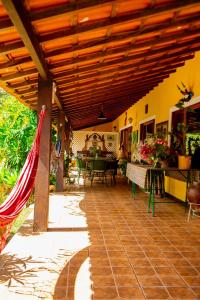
{"x": 101, "y": 116}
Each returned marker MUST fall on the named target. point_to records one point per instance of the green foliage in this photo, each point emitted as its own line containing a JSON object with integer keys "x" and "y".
{"x": 17, "y": 130}
{"x": 7, "y": 181}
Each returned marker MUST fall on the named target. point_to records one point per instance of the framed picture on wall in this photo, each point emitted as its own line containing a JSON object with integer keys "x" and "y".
{"x": 162, "y": 129}
{"x": 110, "y": 137}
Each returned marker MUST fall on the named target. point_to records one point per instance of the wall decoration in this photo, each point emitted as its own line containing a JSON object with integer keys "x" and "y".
{"x": 134, "y": 137}
{"x": 110, "y": 137}
{"x": 187, "y": 95}
{"x": 162, "y": 129}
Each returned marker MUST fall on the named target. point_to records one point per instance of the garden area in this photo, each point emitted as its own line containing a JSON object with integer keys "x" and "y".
{"x": 17, "y": 130}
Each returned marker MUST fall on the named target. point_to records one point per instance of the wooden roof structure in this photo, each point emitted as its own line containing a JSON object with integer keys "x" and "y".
{"x": 97, "y": 52}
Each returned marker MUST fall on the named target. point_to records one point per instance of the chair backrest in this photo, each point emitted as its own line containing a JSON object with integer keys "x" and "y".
{"x": 98, "y": 165}
{"x": 81, "y": 164}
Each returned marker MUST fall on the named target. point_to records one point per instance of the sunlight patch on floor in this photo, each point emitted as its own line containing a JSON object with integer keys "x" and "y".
{"x": 82, "y": 288}
{"x": 64, "y": 211}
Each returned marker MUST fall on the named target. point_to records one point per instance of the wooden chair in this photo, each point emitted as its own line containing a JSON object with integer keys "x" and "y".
{"x": 82, "y": 169}
{"x": 97, "y": 169}
{"x": 111, "y": 169}
{"x": 194, "y": 210}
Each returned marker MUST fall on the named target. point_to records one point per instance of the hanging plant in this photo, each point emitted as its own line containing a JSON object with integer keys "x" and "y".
{"x": 187, "y": 95}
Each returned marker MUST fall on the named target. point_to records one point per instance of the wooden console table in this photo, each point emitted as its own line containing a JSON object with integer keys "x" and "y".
{"x": 152, "y": 180}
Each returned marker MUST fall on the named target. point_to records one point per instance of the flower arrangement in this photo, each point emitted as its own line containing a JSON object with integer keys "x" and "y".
{"x": 154, "y": 150}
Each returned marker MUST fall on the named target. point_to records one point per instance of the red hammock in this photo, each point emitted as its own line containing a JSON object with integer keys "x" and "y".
{"x": 19, "y": 195}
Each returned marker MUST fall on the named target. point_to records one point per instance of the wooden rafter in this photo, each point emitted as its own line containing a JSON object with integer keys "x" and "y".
{"x": 17, "y": 15}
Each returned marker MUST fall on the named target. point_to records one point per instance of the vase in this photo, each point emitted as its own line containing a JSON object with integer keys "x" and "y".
{"x": 184, "y": 162}
{"x": 163, "y": 164}
{"x": 193, "y": 194}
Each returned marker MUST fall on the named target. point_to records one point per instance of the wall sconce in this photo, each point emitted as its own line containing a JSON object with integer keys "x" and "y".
{"x": 130, "y": 120}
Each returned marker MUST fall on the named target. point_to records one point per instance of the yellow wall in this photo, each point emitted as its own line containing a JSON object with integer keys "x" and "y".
{"x": 103, "y": 127}
{"x": 160, "y": 100}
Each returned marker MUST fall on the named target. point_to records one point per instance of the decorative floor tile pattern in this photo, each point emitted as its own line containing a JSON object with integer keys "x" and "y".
{"x": 104, "y": 245}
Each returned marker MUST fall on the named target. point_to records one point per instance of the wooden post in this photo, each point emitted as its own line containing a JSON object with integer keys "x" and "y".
{"x": 41, "y": 212}
{"x": 60, "y": 170}
{"x": 67, "y": 136}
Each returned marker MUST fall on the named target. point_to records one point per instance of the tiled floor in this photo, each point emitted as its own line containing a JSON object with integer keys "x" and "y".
{"x": 113, "y": 249}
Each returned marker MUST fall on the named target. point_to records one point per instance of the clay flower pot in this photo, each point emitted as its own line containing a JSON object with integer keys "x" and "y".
{"x": 193, "y": 194}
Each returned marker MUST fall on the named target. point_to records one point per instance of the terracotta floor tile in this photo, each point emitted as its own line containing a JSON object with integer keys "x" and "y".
{"x": 98, "y": 254}
{"x": 114, "y": 247}
{"x": 149, "y": 280}
{"x": 136, "y": 254}
{"x": 136, "y": 262}
{"x": 172, "y": 254}
{"x": 186, "y": 271}
{"x": 119, "y": 262}
{"x": 100, "y": 270}
{"x": 104, "y": 293}
{"x": 130, "y": 248}
{"x": 130, "y": 293}
{"x": 155, "y": 293}
{"x": 148, "y": 271}
{"x": 181, "y": 293}
{"x": 196, "y": 291}
{"x": 122, "y": 271}
{"x": 117, "y": 254}
{"x": 96, "y": 262}
{"x": 159, "y": 262}
{"x": 165, "y": 271}
{"x": 179, "y": 262}
{"x": 194, "y": 261}
{"x": 172, "y": 280}
{"x": 192, "y": 280}
{"x": 101, "y": 280}
{"x": 126, "y": 280}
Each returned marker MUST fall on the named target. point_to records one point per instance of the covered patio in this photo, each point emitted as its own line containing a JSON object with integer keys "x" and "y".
{"x": 113, "y": 71}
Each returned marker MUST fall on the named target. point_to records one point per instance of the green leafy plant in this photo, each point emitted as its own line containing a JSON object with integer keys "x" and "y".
{"x": 17, "y": 130}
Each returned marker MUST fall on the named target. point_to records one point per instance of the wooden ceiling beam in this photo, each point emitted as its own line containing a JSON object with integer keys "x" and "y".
{"x": 120, "y": 50}
{"x": 122, "y": 20}
{"x": 87, "y": 113}
{"x": 131, "y": 93}
{"x": 105, "y": 88}
{"x": 67, "y": 9}
{"x": 97, "y": 107}
{"x": 15, "y": 63}
{"x": 11, "y": 47}
{"x": 103, "y": 92}
{"x": 24, "y": 84}
{"x": 104, "y": 100}
{"x": 114, "y": 92}
{"x": 6, "y": 24}
{"x": 18, "y": 16}
{"x": 81, "y": 87}
{"x": 92, "y": 67}
{"x": 107, "y": 41}
{"x": 19, "y": 75}
{"x": 128, "y": 70}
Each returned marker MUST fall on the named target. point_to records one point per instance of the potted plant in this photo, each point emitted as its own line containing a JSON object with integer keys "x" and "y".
{"x": 186, "y": 129}
{"x": 155, "y": 151}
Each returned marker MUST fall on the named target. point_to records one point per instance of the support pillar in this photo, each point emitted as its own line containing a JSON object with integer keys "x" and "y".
{"x": 41, "y": 211}
{"x": 60, "y": 170}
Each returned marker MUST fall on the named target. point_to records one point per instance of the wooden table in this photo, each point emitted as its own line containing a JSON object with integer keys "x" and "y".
{"x": 152, "y": 180}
